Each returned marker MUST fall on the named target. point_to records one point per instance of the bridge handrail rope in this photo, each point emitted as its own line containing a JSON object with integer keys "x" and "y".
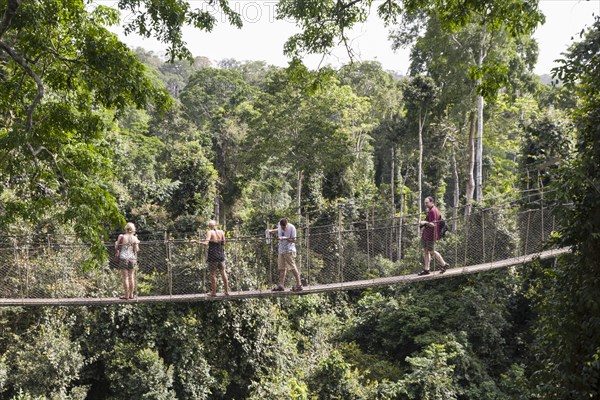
{"x": 249, "y": 238}
{"x": 382, "y": 219}
{"x": 342, "y": 255}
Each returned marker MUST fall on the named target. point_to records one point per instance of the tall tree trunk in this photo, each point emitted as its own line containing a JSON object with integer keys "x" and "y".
{"x": 393, "y": 190}
{"x": 221, "y": 176}
{"x": 216, "y": 210}
{"x": 479, "y": 151}
{"x": 479, "y": 148}
{"x": 401, "y": 181}
{"x": 392, "y": 181}
{"x": 471, "y": 164}
{"x": 456, "y": 196}
{"x": 420, "y": 173}
{"x": 299, "y": 196}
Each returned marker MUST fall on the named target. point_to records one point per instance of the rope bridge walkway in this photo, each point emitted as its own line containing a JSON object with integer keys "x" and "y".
{"x": 48, "y": 269}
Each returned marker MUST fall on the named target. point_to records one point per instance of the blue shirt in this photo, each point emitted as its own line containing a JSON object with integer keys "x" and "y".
{"x": 285, "y": 246}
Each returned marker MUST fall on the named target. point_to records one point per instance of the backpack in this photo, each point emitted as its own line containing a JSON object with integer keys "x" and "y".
{"x": 442, "y": 228}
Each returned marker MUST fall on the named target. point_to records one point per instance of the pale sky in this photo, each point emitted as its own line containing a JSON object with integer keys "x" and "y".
{"x": 262, "y": 36}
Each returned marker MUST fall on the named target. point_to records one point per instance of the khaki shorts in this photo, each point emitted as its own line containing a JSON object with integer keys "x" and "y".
{"x": 428, "y": 245}
{"x": 127, "y": 263}
{"x": 286, "y": 261}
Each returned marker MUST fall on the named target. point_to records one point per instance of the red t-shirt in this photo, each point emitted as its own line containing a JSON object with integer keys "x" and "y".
{"x": 431, "y": 233}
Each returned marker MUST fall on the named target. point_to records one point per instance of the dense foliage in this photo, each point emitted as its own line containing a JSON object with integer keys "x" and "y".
{"x": 569, "y": 330}
{"x": 93, "y": 133}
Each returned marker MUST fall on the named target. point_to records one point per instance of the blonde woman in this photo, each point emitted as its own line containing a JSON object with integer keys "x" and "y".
{"x": 127, "y": 247}
{"x": 215, "y": 240}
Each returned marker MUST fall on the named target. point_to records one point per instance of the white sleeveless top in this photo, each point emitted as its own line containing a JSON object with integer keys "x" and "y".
{"x": 126, "y": 252}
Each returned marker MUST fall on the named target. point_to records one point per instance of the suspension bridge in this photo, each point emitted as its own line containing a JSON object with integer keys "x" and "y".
{"x": 47, "y": 270}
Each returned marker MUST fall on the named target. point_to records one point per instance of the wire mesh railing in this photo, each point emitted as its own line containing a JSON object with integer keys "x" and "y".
{"x": 53, "y": 266}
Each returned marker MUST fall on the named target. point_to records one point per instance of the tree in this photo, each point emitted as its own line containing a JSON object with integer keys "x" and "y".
{"x": 548, "y": 140}
{"x": 368, "y": 79}
{"x": 420, "y": 96}
{"x": 431, "y": 376}
{"x": 446, "y": 56}
{"x": 568, "y": 330}
{"x": 323, "y": 135}
{"x": 440, "y": 54}
{"x": 217, "y": 101}
{"x": 197, "y": 182}
{"x": 44, "y": 360}
{"x": 64, "y": 74}
{"x": 61, "y": 69}
{"x": 507, "y": 128}
{"x": 139, "y": 372}
{"x": 253, "y": 72}
{"x": 326, "y": 23}
{"x": 494, "y": 19}
{"x": 165, "y": 21}
{"x": 335, "y": 379}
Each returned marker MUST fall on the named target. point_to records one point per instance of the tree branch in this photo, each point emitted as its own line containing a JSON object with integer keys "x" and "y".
{"x": 9, "y": 13}
{"x": 348, "y": 47}
{"x": 340, "y": 6}
{"x": 40, "y": 86}
{"x": 35, "y": 153}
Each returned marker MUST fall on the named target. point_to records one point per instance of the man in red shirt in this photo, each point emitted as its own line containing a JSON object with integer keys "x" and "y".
{"x": 430, "y": 235}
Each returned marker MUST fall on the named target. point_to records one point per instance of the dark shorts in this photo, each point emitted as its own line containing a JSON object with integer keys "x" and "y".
{"x": 428, "y": 245}
{"x": 216, "y": 266}
{"x": 127, "y": 264}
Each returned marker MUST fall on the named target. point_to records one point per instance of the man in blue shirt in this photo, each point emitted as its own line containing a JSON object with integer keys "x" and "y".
{"x": 286, "y": 234}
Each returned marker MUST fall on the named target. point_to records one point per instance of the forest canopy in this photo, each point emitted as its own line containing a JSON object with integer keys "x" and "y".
{"x": 94, "y": 134}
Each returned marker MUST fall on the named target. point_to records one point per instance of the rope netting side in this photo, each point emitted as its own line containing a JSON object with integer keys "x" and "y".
{"x": 347, "y": 251}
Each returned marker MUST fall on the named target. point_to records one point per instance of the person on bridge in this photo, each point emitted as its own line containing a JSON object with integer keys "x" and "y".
{"x": 215, "y": 240}
{"x": 430, "y": 235}
{"x": 286, "y": 259}
{"x": 127, "y": 247}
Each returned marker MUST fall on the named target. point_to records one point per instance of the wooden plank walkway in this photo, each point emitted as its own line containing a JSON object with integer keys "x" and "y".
{"x": 191, "y": 298}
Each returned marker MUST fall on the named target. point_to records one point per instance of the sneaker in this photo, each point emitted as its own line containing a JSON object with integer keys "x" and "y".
{"x": 443, "y": 269}
{"x": 424, "y": 272}
{"x": 278, "y": 288}
{"x": 297, "y": 288}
